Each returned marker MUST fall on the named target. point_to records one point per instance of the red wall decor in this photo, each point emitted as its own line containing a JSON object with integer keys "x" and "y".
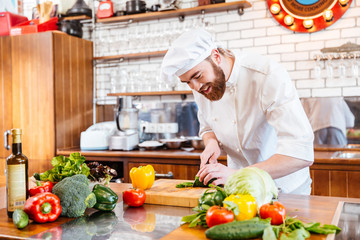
{"x": 307, "y": 15}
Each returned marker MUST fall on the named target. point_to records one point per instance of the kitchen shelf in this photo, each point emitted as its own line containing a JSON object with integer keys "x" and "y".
{"x": 131, "y": 56}
{"x": 179, "y": 12}
{"x": 159, "y": 93}
{"x": 80, "y": 17}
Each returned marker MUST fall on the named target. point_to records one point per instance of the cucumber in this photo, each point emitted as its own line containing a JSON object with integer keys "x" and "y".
{"x": 237, "y": 230}
{"x": 20, "y": 218}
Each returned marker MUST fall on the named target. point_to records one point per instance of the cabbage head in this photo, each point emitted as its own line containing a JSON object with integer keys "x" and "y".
{"x": 254, "y": 181}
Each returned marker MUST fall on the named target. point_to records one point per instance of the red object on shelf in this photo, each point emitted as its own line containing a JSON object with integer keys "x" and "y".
{"x": 33, "y": 26}
{"x": 105, "y": 9}
{"x": 8, "y": 20}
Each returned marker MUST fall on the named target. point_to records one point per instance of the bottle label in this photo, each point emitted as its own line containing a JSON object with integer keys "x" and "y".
{"x": 16, "y": 186}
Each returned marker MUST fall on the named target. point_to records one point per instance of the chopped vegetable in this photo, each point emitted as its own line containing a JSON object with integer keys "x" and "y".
{"x": 40, "y": 188}
{"x": 43, "y": 207}
{"x": 75, "y": 195}
{"x": 253, "y": 181}
{"x": 184, "y": 185}
{"x": 20, "y": 218}
{"x": 198, "y": 183}
{"x": 246, "y": 205}
{"x": 142, "y": 177}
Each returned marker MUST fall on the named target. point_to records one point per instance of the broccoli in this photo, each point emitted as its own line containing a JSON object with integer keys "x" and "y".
{"x": 75, "y": 195}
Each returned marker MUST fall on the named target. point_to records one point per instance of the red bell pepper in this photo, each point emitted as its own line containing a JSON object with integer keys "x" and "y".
{"x": 41, "y": 187}
{"x": 43, "y": 207}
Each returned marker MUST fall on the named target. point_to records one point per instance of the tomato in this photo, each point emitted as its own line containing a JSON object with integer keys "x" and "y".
{"x": 216, "y": 215}
{"x": 274, "y": 210}
{"x": 134, "y": 197}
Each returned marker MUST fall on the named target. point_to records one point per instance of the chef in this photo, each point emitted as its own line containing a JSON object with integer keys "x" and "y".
{"x": 248, "y": 107}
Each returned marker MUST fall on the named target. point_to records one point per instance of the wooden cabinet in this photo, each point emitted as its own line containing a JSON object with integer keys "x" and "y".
{"x": 46, "y": 85}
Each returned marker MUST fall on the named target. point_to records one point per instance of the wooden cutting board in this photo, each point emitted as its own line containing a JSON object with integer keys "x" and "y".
{"x": 164, "y": 192}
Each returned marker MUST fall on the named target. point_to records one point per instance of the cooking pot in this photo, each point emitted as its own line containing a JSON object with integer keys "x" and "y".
{"x": 135, "y": 6}
{"x": 73, "y": 28}
{"x": 197, "y": 143}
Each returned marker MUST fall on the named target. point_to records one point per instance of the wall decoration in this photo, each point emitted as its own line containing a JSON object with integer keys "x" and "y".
{"x": 307, "y": 15}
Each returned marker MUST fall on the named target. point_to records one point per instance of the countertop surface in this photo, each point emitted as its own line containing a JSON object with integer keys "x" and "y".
{"x": 163, "y": 222}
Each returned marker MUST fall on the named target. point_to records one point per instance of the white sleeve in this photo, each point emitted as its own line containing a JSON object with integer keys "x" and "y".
{"x": 284, "y": 112}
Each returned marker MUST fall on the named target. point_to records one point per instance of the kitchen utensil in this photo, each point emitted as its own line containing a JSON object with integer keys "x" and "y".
{"x": 197, "y": 142}
{"x": 154, "y": 8}
{"x": 150, "y": 145}
{"x": 135, "y": 6}
{"x": 173, "y": 143}
{"x": 105, "y": 9}
{"x": 164, "y": 192}
{"x": 96, "y": 137}
{"x": 167, "y": 5}
{"x": 205, "y": 164}
{"x": 79, "y": 8}
{"x": 73, "y": 28}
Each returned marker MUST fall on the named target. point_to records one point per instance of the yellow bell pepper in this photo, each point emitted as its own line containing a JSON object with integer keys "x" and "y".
{"x": 247, "y": 206}
{"x": 142, "y": 177}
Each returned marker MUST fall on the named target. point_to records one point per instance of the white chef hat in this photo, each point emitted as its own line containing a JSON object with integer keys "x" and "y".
{"x": 186, "y": 52}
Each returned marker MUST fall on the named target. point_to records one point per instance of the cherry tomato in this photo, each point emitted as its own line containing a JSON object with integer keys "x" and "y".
{"x": 274, "y": 210}
{"x": 134, "y": 197}
{"x": 216, "y": 215}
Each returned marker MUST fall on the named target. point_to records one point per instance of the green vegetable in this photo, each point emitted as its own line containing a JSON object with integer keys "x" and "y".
{"x": 213, "y": 198}
{"x": 253, "y": 181}
{"x": 295, "y": 229}
{"x": 65, "y": 167}
{"x": 37, "y": 176}
{"x": 252, "y": 228}
{"x": 197, "y": 219}
{"x": 75, "y": 195}
{"x": 106, "y": 198}
{"x": 20, "y": 218}
{"x": 269, "y": 234}
{"x": 197, "y": 182}
{"x": 184, "y": 185}
{"x": 105, "y": 207}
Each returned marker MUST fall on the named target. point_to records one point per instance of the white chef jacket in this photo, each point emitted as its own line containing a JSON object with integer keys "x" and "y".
{"x": 258, "y": 116}
{"x": 327, "y": 112}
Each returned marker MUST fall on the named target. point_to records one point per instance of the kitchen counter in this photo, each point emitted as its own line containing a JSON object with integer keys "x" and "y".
{"x": 158, "y": 221}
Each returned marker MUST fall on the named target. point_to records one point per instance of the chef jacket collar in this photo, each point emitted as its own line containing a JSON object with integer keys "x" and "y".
{"x": 234, "y": 73}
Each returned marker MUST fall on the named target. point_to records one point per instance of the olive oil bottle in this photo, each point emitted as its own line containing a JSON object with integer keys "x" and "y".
{"x": 16, "y": 175}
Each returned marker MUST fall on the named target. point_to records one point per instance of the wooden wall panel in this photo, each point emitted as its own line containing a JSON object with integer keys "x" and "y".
{"x": 338, "y": 183}
{"x": 5, "y": 100}
{"x": 321, "y": 182}
{"x": 32, "y": 96}
{"x": 73, "y": 88}
{"x": 354, "y": 184}
{"x": 104, "y": 113}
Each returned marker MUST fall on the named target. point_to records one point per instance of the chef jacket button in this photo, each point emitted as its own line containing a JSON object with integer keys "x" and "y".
{"x": 238, "y": 150}
{"x": 220, "y": 144}
{"x": 214, "y": 119}
{"x": 234, "y": 122}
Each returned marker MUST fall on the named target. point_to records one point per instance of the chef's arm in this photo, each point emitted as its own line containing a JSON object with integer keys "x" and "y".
{"x": 212, "y": 150}
{"x": 281, "y": 165}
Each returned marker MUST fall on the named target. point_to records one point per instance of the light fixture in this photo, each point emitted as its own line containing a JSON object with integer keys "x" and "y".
{"x": 308, "y": 23}
{"x": 275, "y": 9}
{"x": 289, "y": 20}
{"x": 343, "y": 2}
{"x": 328, "y": 15}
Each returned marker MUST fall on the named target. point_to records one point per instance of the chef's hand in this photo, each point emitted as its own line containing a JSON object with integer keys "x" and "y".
{"x": 211, "y": 153}
{"x": 216, "y": 170}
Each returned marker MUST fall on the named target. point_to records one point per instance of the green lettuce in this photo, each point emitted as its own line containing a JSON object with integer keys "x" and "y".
{"x": 254, "y": 181}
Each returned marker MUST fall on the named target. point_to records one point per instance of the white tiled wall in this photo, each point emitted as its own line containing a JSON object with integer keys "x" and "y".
{"x": 256, "y": 30}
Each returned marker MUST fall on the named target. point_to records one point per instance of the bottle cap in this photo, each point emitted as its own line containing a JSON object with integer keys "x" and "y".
{"x": 15, "y": 131}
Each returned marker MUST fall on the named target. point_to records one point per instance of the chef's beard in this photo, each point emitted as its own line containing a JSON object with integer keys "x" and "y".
{"x": 218, "y": 86}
